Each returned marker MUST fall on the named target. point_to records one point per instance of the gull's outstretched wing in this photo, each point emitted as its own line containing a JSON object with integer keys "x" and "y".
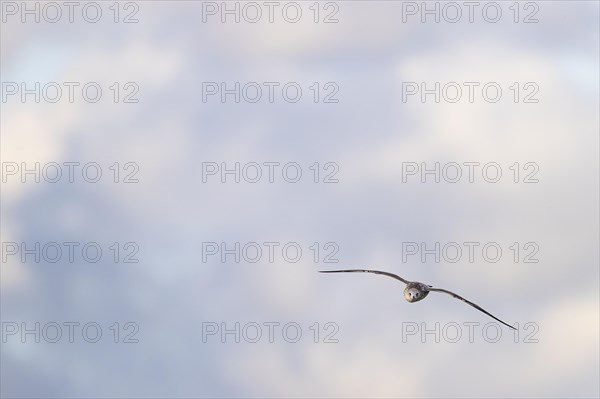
{"x": 366, "y": 271}
{"x": 470, "y": 303}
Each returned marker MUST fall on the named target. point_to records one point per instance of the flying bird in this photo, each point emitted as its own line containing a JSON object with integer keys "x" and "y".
{"x": 416, "y": 291}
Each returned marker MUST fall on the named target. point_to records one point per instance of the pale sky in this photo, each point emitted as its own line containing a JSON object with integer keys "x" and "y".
{"x": 547, "y": 283}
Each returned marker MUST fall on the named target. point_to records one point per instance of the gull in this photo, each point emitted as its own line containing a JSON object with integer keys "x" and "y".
{"x": 416, "y": 291}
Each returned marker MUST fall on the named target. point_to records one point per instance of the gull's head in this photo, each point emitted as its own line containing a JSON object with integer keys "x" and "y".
{"x": 414, "y": 292}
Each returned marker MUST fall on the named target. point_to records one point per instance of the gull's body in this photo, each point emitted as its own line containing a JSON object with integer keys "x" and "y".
{"x": 416, "y": 291}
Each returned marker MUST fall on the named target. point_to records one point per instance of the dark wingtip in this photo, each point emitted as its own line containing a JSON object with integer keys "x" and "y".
{"x": 507, "y": 325}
